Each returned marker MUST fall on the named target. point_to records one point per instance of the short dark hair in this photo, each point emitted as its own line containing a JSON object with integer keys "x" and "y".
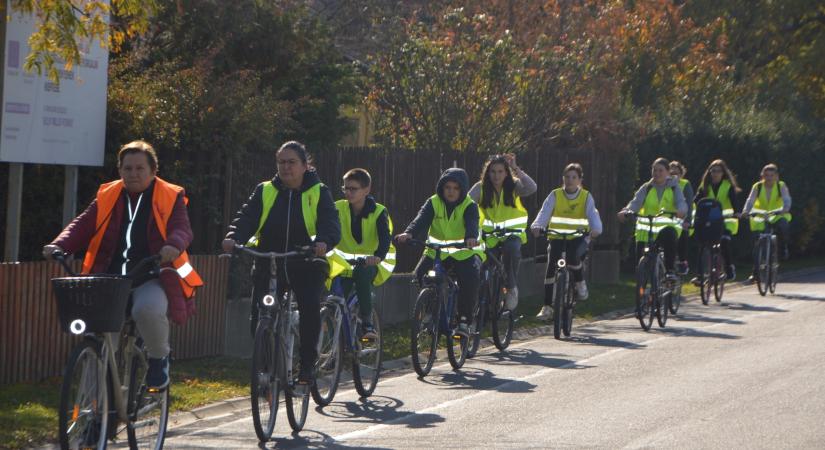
{"x": 138, "y": 147}
{"x": 360, "y": 175}
{"x": 661, "y": 161}
{"x": 771, "y": 166}
{"x": 677, "y": 165}
{"x": 575, "y": 167}
{"x": 299, "y": 149}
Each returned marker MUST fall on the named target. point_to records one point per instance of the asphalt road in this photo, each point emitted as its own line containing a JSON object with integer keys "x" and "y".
{"x": 746, "y": 373}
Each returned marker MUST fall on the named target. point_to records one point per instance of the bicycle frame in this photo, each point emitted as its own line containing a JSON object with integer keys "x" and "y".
{"x": 344, "y": 319}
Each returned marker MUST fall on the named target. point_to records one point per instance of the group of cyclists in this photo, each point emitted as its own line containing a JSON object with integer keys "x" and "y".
{"x": 141, "y": 214}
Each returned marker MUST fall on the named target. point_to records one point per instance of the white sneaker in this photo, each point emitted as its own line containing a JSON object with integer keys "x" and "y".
{"x": 545, "y": 313}
{"x": 581, "y": 290}
{"x": 511, "y": 299}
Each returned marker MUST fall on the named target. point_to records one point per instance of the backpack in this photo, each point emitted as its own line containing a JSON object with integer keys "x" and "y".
{"x": 707, "y": 220}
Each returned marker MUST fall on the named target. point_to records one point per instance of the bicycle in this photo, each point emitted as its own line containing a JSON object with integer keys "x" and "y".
{"x": 564, "y": 298}
{"x": 712, "y": 273}
{"x": 99, "y": 372}
{"x": 767, "y": 260}
{"x": 434, "y": 315}
{"x": 275, "y": 355}
{"x": 491, "y": 299}
{"x": 652, "y": 293}
{"x": 340, "y": 328}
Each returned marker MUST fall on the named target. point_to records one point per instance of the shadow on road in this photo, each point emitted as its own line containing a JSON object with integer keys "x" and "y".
{"x": 800, "y": 297}
{"x": 377, "y": 409}
{"x": 591, "y": 337}
{"x": 692, "y": 332}
{"x": 312, "y": 439}
{"x": 478, "y": 379}
{"x": 703, "y": 318}
{"x": 525, "y": 356}
{"x": 749, "y": 307}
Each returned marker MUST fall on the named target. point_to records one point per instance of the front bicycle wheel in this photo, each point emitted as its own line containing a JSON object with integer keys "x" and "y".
{"x": 457, "y": 347}
{"x": 366, "y": 363}
{"x": 763, "y": 265}
{"x": 559, "y": 294}
{"x": 479, "y": 315}
{"x": 644, "y": 295}
{"x": 297, "y": 401}
{"x": 83, "y": 417}
{"x": 265, "y": 388}
{"x": 661, "y": 288}
{"x": 503, "y": 318}
{"x": 774, "y": 272}
{"x": 675, "y": 297}
{"x": 424, "y": 331}
{"x": 148, "y": 409}
{"x": 330, "y": 355}
{"x": 721, "y": 277}
{"x": 567, "y": 312}
{"x": 705, "y": 274}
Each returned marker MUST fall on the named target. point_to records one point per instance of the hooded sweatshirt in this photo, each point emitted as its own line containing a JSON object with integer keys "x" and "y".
{"x": 420, "y": 226}
{"x": 287, "y": 215}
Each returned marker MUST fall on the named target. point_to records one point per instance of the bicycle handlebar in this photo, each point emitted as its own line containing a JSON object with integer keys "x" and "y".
{"x": 500, "y": 232}
{"x": 60, "y": 257}
{"x": 577, "y": 233}
{"x": 639, "y": 216}
{"x": 306, "y": 251}
{"x": 433, "y": 246}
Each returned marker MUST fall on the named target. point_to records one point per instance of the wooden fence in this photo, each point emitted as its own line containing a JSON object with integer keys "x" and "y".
{"x": 33, "y": 347}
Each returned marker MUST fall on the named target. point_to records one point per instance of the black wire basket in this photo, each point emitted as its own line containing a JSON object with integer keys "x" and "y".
{"x": 93, "y": 304}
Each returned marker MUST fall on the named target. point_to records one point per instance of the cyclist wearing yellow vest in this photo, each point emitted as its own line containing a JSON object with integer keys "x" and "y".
{"x": 567, "y": 209}
{"x": 450, "y": 216}
{"x": 498, "y": 195}
{"x": 365, "y": 233}
{"x": 130, "y": 219}
{"x": 770, "y": 194}
{"x": 293, "y": 209}
{"x": 660, "y": 194}
{"x": 678, "y": 171}
{"x": 719, "y": 183}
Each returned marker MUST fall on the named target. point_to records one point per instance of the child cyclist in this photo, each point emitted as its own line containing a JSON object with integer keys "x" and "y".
{"x": 450, "y": 216}
{"x": 498, "y": 195}
{"x": 366, "y": 230}
{"x": 567, "y": 209}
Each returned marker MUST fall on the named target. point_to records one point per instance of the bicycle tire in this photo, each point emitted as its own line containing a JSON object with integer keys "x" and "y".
{"x": 424, "y": 331}
{"x": 774, "y": 272}
{"x": 720, "y": 279}
{"x": 675, "y": 299}
{"x": 559, "y": 294}
{"x": 660, "y": 302}
{"x": 148, "y": 412}
{"x": 265, "y": 387}
{"x": 330, "y": 355}
{"x": 705, "y": 274}
{"x": 763, "y": 266}
{"x": 644, "y": 302}
{"x": 92, "y": 378}
{"x": 476, "y": 327}
{"x": 503, "y": 318}
{"x": 456, "y": 346}
{"x": 366, "y": 362}
{"x": 567, "y": 313}
{"x": 297, "y": 403}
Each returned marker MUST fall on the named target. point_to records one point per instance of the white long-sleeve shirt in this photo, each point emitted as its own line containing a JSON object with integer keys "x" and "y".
{"x": 549, "y": 205}
{"x": 786, "y": 197}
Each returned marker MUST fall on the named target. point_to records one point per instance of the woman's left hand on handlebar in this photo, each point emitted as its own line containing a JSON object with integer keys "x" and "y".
{"x": 168, "y": 253}
{"x": 320, "y": 249}
{"x": 49, "y": 250}
{"x": 372, "y": 260}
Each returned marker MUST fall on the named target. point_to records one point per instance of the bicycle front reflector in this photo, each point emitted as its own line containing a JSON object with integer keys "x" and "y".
{"x": 77, "y": 326}
{"x": 268, "y": 300}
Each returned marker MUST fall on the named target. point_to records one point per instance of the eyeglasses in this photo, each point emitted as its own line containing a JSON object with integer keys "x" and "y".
{"x": 346, "y": 189}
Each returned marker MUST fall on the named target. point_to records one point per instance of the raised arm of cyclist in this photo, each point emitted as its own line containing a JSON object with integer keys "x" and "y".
{"x": 498, "y": 194}
{"x": 450, "y": 216}
{"x": 366, "y": 232}
{"x": 293, "y": 209}
{"x": 130, "y": 219}
{"x": 767, "y": 195}
{"x": 660, "y": 194}
{"x": 566, "y": 209}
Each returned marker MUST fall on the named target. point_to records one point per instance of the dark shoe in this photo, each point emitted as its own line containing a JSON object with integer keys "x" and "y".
{"x": 305, "y": 376}
{"x": 157, "y": 376}
{"x": 751, "y": 279}
{"x": 368, "y": 331}
{"x": 731, "y": 272}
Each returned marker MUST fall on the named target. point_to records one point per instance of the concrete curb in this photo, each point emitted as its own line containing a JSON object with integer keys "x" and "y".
{"x": 397, "y": 366}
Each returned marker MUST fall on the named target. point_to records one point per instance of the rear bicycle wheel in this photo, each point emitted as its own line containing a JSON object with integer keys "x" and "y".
{"x": 297, "y": 401}
{"x": 644, "y": 295}
{"x": 265, "y": 388}
{"x": 774, "y": 272}
{"x": 763, "y": 271}
{"x": 83, "y": 417}
{"x": 675, "y": 298}
{"x": 705, "y": 274}
{"x": 479, "y": 316}
{"x": 366, "y": 362}
{"x": 424, "y": 331}
{"x": 503, "y": 319}
{"x": 330, "y": 355}
{"x": 559, "y": 294}
{"x": 148, "y": 410}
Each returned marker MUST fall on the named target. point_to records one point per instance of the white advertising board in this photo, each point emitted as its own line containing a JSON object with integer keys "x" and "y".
{"x": 49, "y": 123}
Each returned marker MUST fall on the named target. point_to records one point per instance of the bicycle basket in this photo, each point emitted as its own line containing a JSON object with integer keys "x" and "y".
{"x": 708, "y": 221}
{"x": 98, "y": 301}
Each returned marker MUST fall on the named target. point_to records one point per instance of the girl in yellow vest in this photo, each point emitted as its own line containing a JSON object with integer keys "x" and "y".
{"x": 366, "y": 232}
{"x": 567, "y": 209}
{"x": 678, "y": 171}
{"x": 770, "y": 194}
{"x": 719, "y": 183}
{"x": 451, "y": 216}
{"x": 660, "y": 193}
{"x": 498, "y": 195}
{"x": 292, "y": 210}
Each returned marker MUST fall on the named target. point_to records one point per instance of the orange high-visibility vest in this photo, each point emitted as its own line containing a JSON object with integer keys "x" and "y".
{"x": 163, "y": 201}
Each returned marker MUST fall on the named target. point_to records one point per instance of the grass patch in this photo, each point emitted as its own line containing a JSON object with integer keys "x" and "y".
{"x": 28, "y": 412}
